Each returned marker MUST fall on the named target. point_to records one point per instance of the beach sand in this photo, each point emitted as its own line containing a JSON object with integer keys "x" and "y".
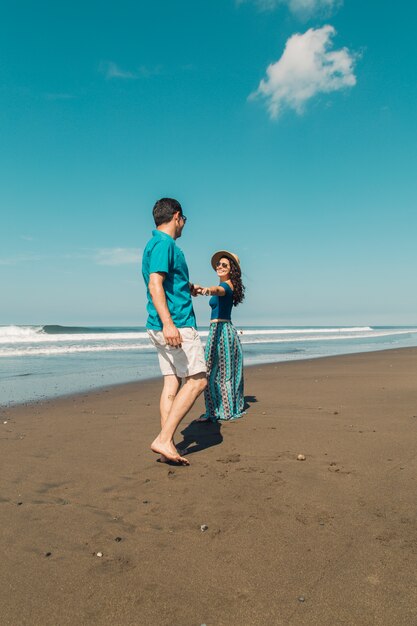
{"x": 331, "y": 540}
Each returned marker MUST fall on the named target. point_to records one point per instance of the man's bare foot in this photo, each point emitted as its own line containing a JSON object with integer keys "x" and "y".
{"x": 168, "y": 451}
{"x": 163, "y": 459}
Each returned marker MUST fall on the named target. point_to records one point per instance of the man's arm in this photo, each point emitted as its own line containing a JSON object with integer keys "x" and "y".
{"x": 157, "y": 291}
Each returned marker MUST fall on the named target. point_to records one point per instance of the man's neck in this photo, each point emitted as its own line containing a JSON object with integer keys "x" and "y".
{"x": 169, "y": 229}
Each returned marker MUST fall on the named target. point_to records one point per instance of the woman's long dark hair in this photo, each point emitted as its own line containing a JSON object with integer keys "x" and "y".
{"x": 236, "y": 279}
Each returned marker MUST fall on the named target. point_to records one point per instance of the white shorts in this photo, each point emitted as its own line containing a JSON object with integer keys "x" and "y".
{"x": 182, "y": 362}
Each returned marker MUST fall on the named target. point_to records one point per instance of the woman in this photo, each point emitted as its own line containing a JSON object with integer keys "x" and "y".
{"x": 224, "y": 393}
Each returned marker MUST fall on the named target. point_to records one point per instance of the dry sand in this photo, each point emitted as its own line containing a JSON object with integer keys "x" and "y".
{"x": 330, "y": 540}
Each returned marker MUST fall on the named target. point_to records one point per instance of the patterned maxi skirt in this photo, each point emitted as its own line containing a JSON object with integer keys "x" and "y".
{"x": 224, "y": 393}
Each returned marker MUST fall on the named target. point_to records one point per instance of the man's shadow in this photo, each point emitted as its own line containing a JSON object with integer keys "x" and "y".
{"x": 198, "y": 436}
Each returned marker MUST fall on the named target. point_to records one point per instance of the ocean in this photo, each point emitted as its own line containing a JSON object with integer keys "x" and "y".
{"x": 39, "y": 362}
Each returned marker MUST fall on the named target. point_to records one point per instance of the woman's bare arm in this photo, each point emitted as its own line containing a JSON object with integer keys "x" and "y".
{"x": 213, "y": 291}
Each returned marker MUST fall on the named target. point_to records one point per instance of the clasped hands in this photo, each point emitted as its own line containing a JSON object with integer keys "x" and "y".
{"x": 198, "y": 290}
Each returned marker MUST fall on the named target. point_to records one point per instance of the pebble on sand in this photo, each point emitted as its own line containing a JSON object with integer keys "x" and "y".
{"x": 301, "y": 599}
{"x": 99, "y": 554}
{"x": 301, "y": 457}
{"x": 203, "y": 527}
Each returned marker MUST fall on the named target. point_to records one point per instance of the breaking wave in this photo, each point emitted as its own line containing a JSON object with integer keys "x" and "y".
{"x": 50, "y": 340}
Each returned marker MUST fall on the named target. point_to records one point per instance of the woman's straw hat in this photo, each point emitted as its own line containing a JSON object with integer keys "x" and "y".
{"x": 221, "y": 253}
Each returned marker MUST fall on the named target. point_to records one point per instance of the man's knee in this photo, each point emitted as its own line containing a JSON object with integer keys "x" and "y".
{"x": 198, "y": 382}
{"x": 171, "y": 384}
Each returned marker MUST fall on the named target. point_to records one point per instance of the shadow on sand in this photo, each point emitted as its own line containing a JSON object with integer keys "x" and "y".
{"x": 199, "y": 436}
{"x": 248, "y": 401}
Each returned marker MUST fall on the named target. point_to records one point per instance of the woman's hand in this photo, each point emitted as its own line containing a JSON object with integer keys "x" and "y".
{"x": 198, "y": 290}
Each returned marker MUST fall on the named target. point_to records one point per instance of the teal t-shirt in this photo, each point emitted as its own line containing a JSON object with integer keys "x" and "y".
{"x": 221, "y": 306}
{"x": 161, "y": 254}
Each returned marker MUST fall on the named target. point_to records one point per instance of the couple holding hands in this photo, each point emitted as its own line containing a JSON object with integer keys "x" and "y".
{"x": 171, "y": 325}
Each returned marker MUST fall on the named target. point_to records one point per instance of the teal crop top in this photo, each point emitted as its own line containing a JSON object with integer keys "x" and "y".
{"x": 221, "y": 306}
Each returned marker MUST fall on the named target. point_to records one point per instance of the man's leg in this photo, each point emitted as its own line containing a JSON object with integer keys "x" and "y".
{"x": 170, "y": 389}
{"x": 182, "y": 403}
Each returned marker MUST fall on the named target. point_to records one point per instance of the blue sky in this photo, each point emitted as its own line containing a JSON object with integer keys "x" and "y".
{"x": 287, "y": 129}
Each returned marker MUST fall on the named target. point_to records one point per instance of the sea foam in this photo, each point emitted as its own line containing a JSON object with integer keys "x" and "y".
{"x": 21, "y": 341}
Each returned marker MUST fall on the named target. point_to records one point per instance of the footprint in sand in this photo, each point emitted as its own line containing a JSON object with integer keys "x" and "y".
{"x": 230, "y": 458}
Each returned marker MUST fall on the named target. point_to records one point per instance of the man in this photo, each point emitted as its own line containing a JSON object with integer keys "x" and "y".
{"x": 171, "y": 324}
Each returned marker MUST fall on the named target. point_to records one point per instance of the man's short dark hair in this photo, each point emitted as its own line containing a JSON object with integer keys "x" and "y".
{"x": 164, "y": 209}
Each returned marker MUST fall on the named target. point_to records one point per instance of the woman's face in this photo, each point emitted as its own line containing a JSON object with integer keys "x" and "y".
{"x": 223, "y": 268}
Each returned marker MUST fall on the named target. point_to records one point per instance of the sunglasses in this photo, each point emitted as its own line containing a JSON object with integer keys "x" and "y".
{"x": 223, "y": 264}
{"x": 184, "y": 218}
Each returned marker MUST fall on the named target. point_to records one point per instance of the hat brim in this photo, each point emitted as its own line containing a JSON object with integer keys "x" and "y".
{"x": 224, "y": 253}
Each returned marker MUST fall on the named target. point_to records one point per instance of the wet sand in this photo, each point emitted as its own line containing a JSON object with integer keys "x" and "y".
{"x": 331, "y": 540}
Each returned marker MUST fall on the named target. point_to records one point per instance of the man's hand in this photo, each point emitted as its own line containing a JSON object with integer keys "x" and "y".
{"x": 172, "y": 334}
{"x": 196, "y": 291}
{"x": 156, "y": 289}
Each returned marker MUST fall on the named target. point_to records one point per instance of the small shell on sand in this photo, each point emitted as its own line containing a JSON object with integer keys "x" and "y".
{"x": 100, "y": 554}
{"x": 301, "y": 457}
{"x": 203, "y": 527}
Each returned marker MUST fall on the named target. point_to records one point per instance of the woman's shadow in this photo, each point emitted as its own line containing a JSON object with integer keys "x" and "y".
{"x": 199, "y": 436}
{"x": 249, "y": 400}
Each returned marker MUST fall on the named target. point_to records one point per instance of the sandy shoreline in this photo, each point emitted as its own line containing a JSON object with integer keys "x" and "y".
{"x": 338, "y": 530}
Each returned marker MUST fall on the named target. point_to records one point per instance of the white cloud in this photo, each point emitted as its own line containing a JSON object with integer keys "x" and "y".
{"x": 303, "y": 8}
{"x": 310, "y": 7}
{"x": 20, "y": 258}
{"x": 117, "y": 256}
{"x": 112, "y": 70}
{"x": 306, "y": 68}
{"x": 99, "y": 256}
